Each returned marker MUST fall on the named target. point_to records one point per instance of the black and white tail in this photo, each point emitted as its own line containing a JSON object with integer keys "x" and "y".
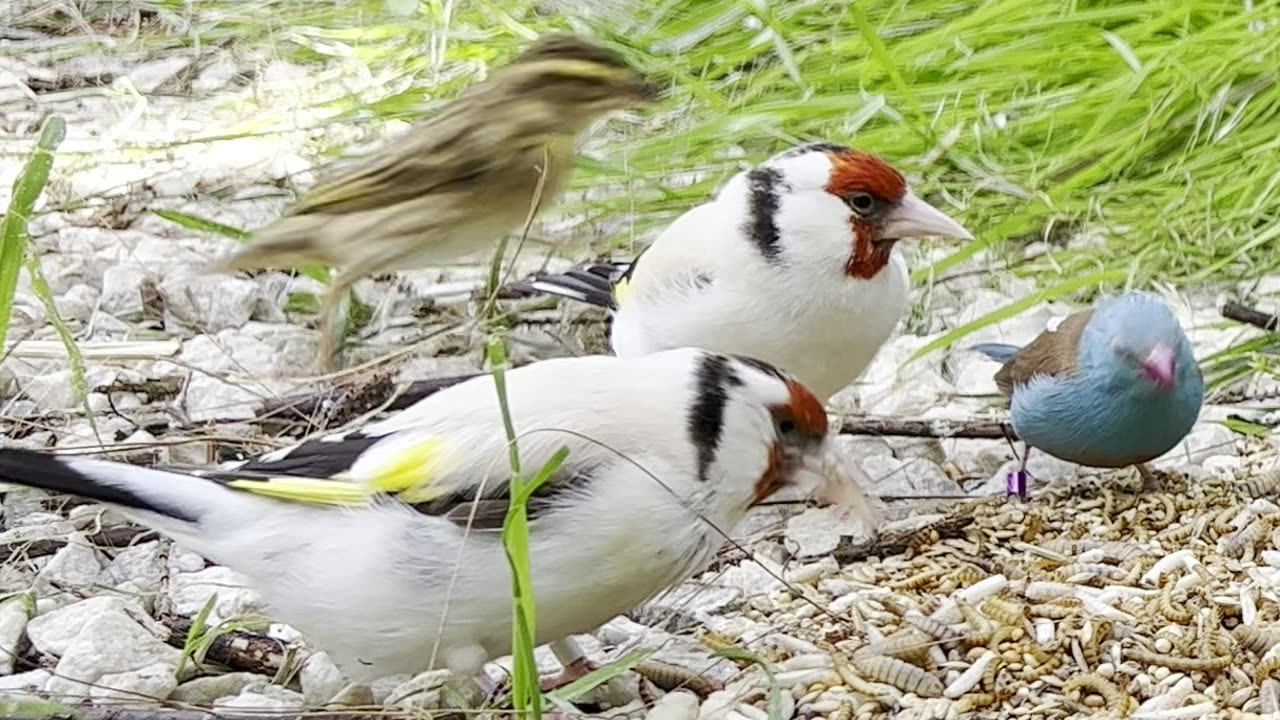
{"x": 171, "y": 502}
{"x": 592, "y": 283}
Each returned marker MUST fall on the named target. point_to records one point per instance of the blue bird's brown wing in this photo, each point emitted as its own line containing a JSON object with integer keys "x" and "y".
{"x": 1053, "y": 352}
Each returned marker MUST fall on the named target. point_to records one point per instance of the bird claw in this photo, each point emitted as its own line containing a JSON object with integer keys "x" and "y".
{"x": 572, "y": 672}
{"x": 1015, "y": 484}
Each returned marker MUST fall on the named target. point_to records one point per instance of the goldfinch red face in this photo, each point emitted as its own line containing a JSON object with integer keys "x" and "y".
{"x": 876, "y": 204}
{"x": 801, "y": 425}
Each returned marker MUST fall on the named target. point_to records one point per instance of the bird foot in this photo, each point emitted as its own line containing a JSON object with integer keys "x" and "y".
{"x": 572, "y": 672}
{"x": 1151, "y": 483}
{"x": 1015, "y": 484}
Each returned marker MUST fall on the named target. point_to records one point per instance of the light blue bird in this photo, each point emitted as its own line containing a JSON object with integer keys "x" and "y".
{"x": 1111, "y": 386}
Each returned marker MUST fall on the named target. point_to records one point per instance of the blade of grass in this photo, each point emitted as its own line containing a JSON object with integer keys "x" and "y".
{"x": 1013, "y": 308}
{"x": 526, "y": 694}
{"x": 13, "y": 230}
{"x": 79, "y": 381}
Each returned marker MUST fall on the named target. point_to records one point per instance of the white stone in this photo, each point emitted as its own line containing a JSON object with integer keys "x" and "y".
{"x": 216, "y": 76}
{"x": 977, "y": 457}
{"x": 190, "y": 592}
{"x": 677, "y": 705}
{"x": 75, "y": 566}
{"x": 121, "y": 291}
{"x": 911, "y": 476}
{"x": 207, "y": 303}
{"x": 154, "y": 682}
{"x": 817, "y": 531}
{"x": 207, "y": 690}
{"x": 321, "y": 680}
{"x": 112, "y": 645}
{"x": 143, "y": 564}
{"x": 1205, "y": 440}
{"x": 77, "y": 303}
{"x": 258, "y": 699}
{"x": 421, "y": 691}
{"x": 20, "y": 686}
{"x": 13, "y": 622}
{"x": 149, "y": 76}
{"x": 52, "y": 632}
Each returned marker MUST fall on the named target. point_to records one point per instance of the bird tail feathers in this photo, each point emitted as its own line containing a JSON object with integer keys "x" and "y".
{"x": 291, "y": 242}
{"x": 168, "y": 501}
{"x": 591, "y": 284}
{"x": 1000, "y": 352}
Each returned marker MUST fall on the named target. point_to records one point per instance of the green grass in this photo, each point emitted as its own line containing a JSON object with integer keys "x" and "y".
{"x": 1148, "y": 124}
{"x": 14, "y": 241}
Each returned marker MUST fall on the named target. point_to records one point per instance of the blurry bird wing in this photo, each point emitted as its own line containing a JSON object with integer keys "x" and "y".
{"x": 450, "y": 153}
{"x": 1054, "y": 353}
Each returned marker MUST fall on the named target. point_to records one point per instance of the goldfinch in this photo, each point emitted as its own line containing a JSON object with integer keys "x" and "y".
{"x": 383, "y": 545}
{"x": 457, "y": 182}
{"x": 793, "y": 262}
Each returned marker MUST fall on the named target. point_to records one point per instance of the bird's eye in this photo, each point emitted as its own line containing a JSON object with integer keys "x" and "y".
{"x": 862, "y": 203}
{"x": 786, "y": 427}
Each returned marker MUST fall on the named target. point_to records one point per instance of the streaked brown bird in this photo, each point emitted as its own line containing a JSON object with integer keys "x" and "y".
{"x": 456, "y": 182}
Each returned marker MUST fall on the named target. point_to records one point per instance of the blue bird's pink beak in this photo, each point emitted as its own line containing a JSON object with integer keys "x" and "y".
{"x": 1159, "y": 366}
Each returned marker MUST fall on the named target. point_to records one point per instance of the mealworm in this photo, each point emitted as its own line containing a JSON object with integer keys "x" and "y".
{"x": 1180, "y": 664}
{"x": 976, "y": 701}
{"x": 1207, "y": 638}
{"x": 921, "y": 539}
{"x": 911, "y": 646}
{"x": 981, "y": 629}
{"x": 1221, "y": 523}
{"x": 933, "y": 628}
{"x": 990, "y": 671}
{"x": 1002, "y": 634}
{"x": 881, "y": 693}
{"x": 1263, "y": 485}
{"x": 1259, "y": 641}
{"x": 1008, "y": 612}
{"x": 900, "y": 674}
{"x": 669, "y": 677}
{"x": 1267, "y": 665}
{"x": 1118, "y": 702}
{"x": 919, "y": 580}
{"x": 1090, "y": 572}
{"x": 844, "y": 712}
{"x": 1168, "y": 513}
{"x": 1269, "y": 695}
{"x": 1247, "y": 539}
{"x": 1173, "y": 611}
{"x": 1059, "y": 609}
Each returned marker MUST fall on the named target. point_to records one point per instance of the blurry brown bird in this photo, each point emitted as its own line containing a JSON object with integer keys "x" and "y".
{"x": 455, "y": 183}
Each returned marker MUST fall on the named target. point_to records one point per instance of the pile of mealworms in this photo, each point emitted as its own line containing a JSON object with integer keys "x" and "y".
{"x": 1088, "y": 601}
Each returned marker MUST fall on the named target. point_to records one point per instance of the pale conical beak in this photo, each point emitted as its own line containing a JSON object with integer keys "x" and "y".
{"x": 1159, "y": 366}
{"x": 914, "y": 218}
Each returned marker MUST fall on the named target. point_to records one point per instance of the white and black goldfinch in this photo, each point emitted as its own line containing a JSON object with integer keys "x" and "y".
{"x": 793, "y": 262}
{"x": 383, "y": 546}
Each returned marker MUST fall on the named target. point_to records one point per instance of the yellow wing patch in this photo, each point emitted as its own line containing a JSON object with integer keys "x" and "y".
{"x": 405, "y": 469}
{"x": 314, "y": 491}
{"x": 621, "y": 291}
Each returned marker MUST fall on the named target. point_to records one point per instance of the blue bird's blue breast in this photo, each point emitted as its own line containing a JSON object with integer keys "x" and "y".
{"x": 1105, "y": 424}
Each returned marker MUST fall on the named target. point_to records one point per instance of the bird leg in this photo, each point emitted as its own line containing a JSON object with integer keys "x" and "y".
{"x": 1015, "y": 483}
{"x": 573, "y": 661}
{"x": 330, "y": 332}
{"x": 1150, "y": 482}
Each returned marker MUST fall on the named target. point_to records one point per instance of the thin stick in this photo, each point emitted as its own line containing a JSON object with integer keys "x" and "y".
{"x": 1233, "y": 310}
